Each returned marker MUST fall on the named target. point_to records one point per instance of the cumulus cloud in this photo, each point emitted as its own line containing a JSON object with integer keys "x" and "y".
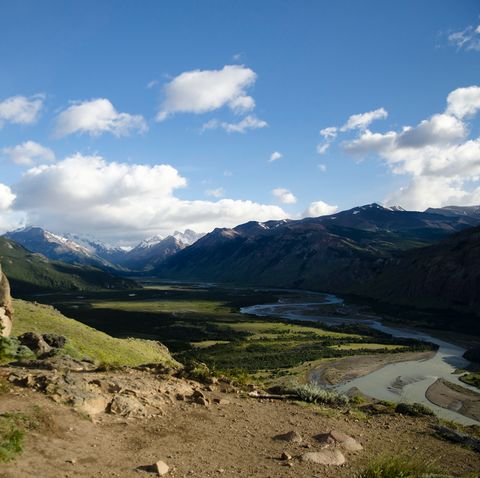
{"x": 21, "y": 109}
{"x": 275, "y": 156}
{"x": 6, "y": 197}
{"x": 284, "y": 196}
{"x": 120, "y": 201}
{"x": 468, "y": 39}
{"x": 442, "y": 162}
{"x": 248, "y": 123}
{"x": 95, "y": 117}
{"x": 322, "y": 148}
{"x": 28, "y": 153}
{"x": 329, "y": 133}
{"x": 201, "y": 91}
{"x": 322, "y": 167}
{"x": 319, "y": 208}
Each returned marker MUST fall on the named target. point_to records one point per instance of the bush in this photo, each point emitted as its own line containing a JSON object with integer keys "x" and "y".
{"x": 11, "y": 439}
{"x": 413, "y": 409}
{"x": 314, "y": 394}
{"x": 10, "y": 350}
{"x": 394, "y": 467}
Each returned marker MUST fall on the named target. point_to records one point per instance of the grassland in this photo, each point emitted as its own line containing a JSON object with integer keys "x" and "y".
{"x": 204, "y": 324}
{"x": 84, "y": 341}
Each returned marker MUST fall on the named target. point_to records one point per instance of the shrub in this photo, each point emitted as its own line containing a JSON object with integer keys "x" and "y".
{"x": 11, "y": 439}
{"x": 413, "y": 409}
{"x": 10, "y": 350}
{"x": 314, "y": 394}
{"x": 394, "y": 467}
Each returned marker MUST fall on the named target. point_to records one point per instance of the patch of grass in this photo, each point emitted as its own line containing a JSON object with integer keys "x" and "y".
{"x": 397, "y": 467}
{"x": 11, "y": 437}
{"x": 83, "y": 341}
{"x": 413, "y": 410}
{"x": 472, "y": 378}
{"x": 358, "y": 346}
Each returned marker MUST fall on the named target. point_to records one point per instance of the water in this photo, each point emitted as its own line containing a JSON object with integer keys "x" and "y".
{"x": 398, "y": 382}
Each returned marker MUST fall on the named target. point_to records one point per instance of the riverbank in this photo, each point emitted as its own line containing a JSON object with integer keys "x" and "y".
{"x": 454, "y": 397}
{"x": 349, "y": 368}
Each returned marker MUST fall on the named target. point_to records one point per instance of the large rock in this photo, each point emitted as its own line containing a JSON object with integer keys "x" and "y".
{"x": 340, "y": 439}
{"x": 291, "y": 437}
{"x": 326, "y": 456}
{"x": 6, "y": 308}
{"x": 35, "y": 343}
{"x": 127, "y": 406}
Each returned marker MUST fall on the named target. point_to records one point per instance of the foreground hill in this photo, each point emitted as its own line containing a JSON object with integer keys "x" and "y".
{"x": 444, "y": 274}
{"x": 33, "y": 273}
{"x": 327, "y": 253}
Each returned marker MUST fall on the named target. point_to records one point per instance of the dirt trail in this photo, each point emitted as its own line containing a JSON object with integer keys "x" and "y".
{"x": 230, "y": 439}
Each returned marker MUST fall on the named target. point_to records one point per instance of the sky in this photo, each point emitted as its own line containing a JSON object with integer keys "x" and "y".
{"x": 122, "y": 119}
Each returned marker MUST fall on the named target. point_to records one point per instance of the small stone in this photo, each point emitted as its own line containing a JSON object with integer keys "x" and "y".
{"x": 221, "y": 401}
{"x": 292, "y": 437}
{"x": 73, "y": 461}
{"x": 161, "y": 468}
{"x": 286, "y": 456}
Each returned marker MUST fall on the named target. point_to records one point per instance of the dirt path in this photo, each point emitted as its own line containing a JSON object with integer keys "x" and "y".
{"x": 233, "y": 439}
{"x": 349, "y": 368}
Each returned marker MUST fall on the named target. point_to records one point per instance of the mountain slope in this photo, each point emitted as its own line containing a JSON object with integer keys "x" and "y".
{"x": 56, "y": 247}
{"x": 326, "y": 253}
{"x": 441, "y": 275}
{"x": 30, "y": 273}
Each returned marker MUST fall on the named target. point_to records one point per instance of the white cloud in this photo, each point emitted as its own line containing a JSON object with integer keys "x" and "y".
{"x": 201, "y": 91}
{"x": 120, "y": 201}
{"x": 441, "y": 161}
{"x": 20, "y": 109}
{"x": 322, "y": 148}
{"x": 319, "y": 208}
{"x": 322, "y": 167}
{"x": 469, "y": 38}
{"x": 95, "y": 117}
{"x": 329, "y": 133}
{"x": 464, "y": 102}
{"x": 275, "y": 156}
{"x": 216, "y": 193}
{"x": 227, "y": 173}
{"x": 247, "y": 123}
{"x": 28, "y": 153}
{"x": 284, "y": 196}
{"x": 6, "y": 197}
{"x": 363, "y": 120}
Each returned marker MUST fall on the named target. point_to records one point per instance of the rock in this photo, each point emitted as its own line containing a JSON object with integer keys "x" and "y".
{"x": 326, "y": 456}
{"x": 161, "y": 468}
{"x": 200, "y": 398}
{"x": 126, "y": 406}
{"x": 291, "y": 437}
{"x": 93, "y": 405}
{"x": 6, "y": 308}
{"x": 221, "y": 401}
{"x": 340, "y": 439}
{"x": 286, "y": 456}
{"x": 54, "y": 340}
{"x": 35, "y": 343}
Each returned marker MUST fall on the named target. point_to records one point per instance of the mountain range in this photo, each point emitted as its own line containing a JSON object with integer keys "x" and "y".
{"x": 74, "y": 249}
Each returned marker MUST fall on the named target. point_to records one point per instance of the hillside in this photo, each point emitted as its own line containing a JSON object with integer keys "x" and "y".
{"x": 84, "y": 341}
{"x": 33, "y": 273}
{"x": 325, "y": 253}
{"x": 441, "y": 275}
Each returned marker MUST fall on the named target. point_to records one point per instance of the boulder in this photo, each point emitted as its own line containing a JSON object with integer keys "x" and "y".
{"x": 35, "y": 343}
{"x": 54, "y": 340}
{"x": 336, "y": 438}
{"x": 327, "y": 456}
{"x": 200, "y": 398}
{"x": 126, "y": 406}
{"x": 291, "y": 437}
{"x": 6, "y": 308}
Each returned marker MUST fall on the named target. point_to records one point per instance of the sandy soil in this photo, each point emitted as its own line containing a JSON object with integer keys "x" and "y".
{"x": 232, "y": 439}
{"x": 349, "y": 368}
{"x": 454, "y": 397}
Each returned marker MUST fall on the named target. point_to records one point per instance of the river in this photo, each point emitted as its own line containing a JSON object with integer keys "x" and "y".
{"x": 398, "y": 382}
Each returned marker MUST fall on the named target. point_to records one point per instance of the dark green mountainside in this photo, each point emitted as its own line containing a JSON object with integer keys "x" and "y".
{"x": 330, "y": 253}
{"x": 31, "y": 273}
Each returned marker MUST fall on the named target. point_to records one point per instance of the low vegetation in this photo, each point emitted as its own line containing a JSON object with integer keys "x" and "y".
{"x": 311, "y": 393}
{"x": 413, "y": 409}
{"x": 397, "y": 467}
{"x": 84, "y": 341}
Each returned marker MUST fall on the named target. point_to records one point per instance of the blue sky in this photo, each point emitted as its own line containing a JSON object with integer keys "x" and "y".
{"x": 306, "y": 66}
